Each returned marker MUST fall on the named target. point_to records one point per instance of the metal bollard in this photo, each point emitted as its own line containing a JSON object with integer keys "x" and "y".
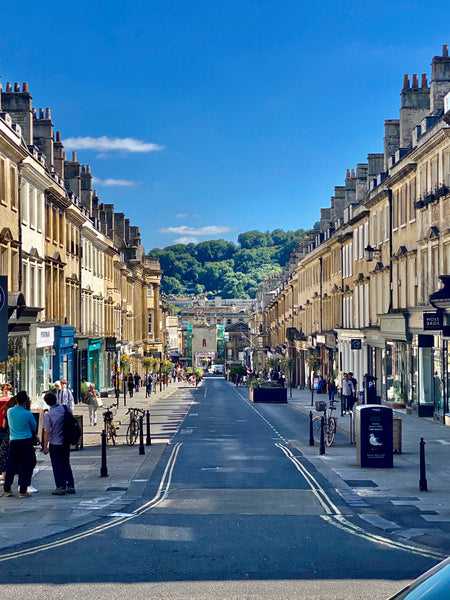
{"x": 322, "y": 436}
{"x": 141, "y": 435}
{"x": 311, "y": 433}
{"x": 423, "y": 487}
{"x": 149, "y": 439}
{"x": 103, "y": 468}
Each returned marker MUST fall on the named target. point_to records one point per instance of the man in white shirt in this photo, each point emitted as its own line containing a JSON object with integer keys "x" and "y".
{"x": 348, "y": 390}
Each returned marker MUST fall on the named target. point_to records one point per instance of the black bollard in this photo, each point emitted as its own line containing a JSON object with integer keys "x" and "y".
{"x": 124, "y": 392}
{"x": 141, "y": 435}
{"x": 322, "y": 436}
{"x": 311, "y": 433}
{"x": 149, "y": 439}
{"x": 104, "y": 468}
{"x": 312, "y": 394}
{"x": 423, "y": 487}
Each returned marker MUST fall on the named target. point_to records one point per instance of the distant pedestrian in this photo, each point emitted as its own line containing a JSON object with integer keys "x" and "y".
{"x": 21, "y": 453}
{"x": 91, "y": 400}
{"x": 355, "y": 386}
{"x": 331, "y": 389}
{"x": 130, "y": 383}
{"x": 348, "y": 389}
{"x": 6, "y": 401}
{"x": 64, "y": 396}
{"x": 137, "y": 381}
{"x": 53, "y": 443}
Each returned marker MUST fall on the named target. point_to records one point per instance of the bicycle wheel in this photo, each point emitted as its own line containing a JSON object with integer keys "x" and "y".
{"x": 132, "y": 433}
{"x": 317, "y": 424}
{"x": 330, "y": 432}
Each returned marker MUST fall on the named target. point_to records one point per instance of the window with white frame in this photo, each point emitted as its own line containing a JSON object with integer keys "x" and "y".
{"x": 2, "y": 180}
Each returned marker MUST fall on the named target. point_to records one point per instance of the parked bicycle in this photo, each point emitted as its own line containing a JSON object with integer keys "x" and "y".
{"x": 135, "y": 425}
{"x": 110, "y": 427}
{"x": 330, "y": 423}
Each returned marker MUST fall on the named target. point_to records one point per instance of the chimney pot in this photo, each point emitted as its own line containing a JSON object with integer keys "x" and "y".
{"x": 17, "y": 87}
{"x": 9, "y": 86}
{"x": 58, "y": 136}
{"x": 25, "y": 87}
{"x": 353, "y": 173}
{"x": 33, "y": 110}
{"x": 83, "y": 169}
{"x": 405, "y": 81}
{"x": 445, "y": 50}
{"x": 88, "y": 168}
{"x": 48, "y": 113}
{"x": 64, "y": 156}
{"x": 348, "y": 174}
{"x": 74, "y": 156}
{"x": 41, "y": 113}
{"x": 415, "y": 81}
{"x": 424, "y": 82}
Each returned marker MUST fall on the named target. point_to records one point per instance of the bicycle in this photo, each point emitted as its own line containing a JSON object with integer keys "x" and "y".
{"x": 110, "y": 427}
{"x": 329, "y": 426}
{"x": 135, "y": 426}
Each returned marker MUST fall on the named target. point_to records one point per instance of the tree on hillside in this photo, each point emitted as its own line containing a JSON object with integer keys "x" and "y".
{"x": 252, "y": 239}
{"x": 214, "y": 250}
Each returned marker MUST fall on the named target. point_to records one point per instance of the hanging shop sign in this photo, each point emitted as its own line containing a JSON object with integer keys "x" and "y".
{"x": 433, "y": 321}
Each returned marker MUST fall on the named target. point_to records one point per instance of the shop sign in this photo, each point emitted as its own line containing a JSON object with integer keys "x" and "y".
{"x": 45, "y": 336}
{"x": 3, "y": 318}
{"x": 110, "y": 344}
{"x": 356, "y": 344}
{"x": 321, "y": 339}
{"x": 433, "y": 321}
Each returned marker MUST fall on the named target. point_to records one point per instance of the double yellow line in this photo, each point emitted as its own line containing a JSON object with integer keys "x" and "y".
{"x": 160, "y": 495}
{"x": 334, "y": 516}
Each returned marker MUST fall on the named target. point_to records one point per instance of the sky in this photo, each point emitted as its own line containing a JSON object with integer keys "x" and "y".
{"x": 201, "y": 120}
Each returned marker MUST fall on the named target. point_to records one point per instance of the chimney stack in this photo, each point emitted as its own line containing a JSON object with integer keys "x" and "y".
{"x": 440, "y": 80}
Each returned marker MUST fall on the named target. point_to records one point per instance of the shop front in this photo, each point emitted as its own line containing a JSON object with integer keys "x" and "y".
{"x": 396, "y": 360}
{"x": 40, "y": 360}
{"x": 63, "y": 361}
{"x": 95, "y": 371}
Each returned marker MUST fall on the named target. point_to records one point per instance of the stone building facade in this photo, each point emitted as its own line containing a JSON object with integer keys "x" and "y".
{"x": 81, "y": 290}
{"x": 364, "y": 292}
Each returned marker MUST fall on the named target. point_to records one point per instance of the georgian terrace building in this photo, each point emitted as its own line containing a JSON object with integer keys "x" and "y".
{"x": 78, "y": 277}
{"x": 369, "y": 296}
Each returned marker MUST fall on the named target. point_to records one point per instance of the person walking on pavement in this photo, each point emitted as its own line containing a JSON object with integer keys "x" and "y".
{"x": 355, "y": 385}
{"x": 130, "y": 382}
{"x": 347, "y": 394}
{"x": 21, "y": 453}
{"x": 53, "y": 443}
{"x": 64, "y": 396}
{"x": 92, "y": 403}
{"x": 137, "y": 381}
{"x": 6, "y": 401}
{"x": 331, "y": 389}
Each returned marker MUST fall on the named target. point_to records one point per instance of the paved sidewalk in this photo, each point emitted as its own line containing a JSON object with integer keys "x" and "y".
{"x": 41, "y": 515}
{"x": 414, "y": 514}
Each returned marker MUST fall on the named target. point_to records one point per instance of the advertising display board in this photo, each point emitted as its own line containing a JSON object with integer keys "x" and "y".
{"x": 374, "y": 442}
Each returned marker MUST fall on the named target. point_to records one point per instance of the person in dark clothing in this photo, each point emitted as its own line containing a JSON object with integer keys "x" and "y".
{"x": 130, "y": 382}
{"x": 137, "y": 380}
{"x": 53, "y": 442}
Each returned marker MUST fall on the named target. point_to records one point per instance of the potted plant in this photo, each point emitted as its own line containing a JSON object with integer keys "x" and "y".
{"x": 267, "y": 391}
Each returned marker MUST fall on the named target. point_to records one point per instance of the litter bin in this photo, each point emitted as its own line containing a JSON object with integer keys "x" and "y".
{"x": 374, "y": 447}
{"x": 370, "y": 390}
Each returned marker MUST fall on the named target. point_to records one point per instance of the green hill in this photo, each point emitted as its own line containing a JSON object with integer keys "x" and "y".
{"x": 222, "y": 268}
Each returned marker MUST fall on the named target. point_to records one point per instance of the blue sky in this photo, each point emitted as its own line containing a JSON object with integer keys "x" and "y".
{"x": 204, "y": 119}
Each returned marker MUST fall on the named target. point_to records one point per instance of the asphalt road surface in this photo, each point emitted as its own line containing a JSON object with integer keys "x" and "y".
{"x": 232, "y": 510}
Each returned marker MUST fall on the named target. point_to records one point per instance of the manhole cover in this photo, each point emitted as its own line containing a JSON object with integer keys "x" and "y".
{"x": 362, "y": 483}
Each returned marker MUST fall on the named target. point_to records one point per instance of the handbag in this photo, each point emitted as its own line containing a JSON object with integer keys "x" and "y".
{"x": 98, "y": 402}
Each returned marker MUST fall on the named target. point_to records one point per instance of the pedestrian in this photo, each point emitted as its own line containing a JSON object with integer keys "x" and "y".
{"x": 347, "y": 394}
{"x": 21, "y": 453}
{"x": 137, "y": 380}
{"x": 130, "y": 383}
{"x": 53, "y": 443}
{"x": 331, "y": 389}
{"x": 355, "y": 385}
{"x": 91, "y": 400}
{"x": 6, "y": 402}
{"x": 148, "y": 384}
{"x": 64, "y": 396}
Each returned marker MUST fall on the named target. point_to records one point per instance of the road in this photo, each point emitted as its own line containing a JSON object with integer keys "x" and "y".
{"x": 232, "y": 510}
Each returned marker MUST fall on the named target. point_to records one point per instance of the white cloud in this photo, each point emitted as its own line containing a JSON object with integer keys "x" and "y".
{"x": 186, "y": 240}
{"x": 113, "y": 182}
{"x": 208, "y": 230}
{"x": 107, "y": 144}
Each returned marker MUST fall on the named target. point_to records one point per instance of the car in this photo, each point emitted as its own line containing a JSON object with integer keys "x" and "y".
{"x": 432, "y": 585}
{"x": 218, "y": 369}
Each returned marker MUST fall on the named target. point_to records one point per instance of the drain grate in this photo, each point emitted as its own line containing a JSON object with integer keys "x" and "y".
{"x": 360, "y": 483}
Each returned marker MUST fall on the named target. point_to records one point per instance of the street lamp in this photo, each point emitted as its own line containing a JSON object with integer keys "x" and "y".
{"x": 370, "y": 253}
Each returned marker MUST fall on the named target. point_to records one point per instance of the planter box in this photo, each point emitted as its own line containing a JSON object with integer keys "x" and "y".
{"x": 276, "y": 395}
